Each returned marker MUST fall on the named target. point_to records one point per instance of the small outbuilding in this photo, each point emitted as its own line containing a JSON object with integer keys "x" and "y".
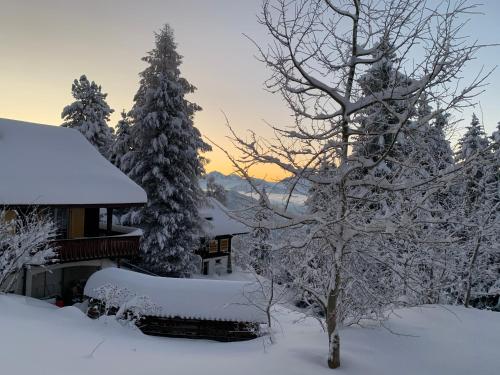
{"x": 193, "y": 308}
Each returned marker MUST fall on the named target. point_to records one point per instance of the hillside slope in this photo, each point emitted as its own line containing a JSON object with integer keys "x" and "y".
{"x": 39, "y": 338}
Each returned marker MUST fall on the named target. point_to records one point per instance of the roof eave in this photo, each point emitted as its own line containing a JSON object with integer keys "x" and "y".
{"x": 75, "y": 205}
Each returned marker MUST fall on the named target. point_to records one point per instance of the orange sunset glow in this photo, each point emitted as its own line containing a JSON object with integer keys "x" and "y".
{"x": 45, "y": 47}
{"x": 57, "y": 43}
{"x": 242, "y": 187}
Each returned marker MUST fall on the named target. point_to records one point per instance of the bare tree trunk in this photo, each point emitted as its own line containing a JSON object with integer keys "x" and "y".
{"x": 469, "y": 276}
{"x": 332, "y": 304}
{"x": 332, "y": 328}
{"x": 270, "y": 303}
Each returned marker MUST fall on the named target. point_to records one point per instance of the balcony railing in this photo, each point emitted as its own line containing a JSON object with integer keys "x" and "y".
{"x": 73, "y": 250}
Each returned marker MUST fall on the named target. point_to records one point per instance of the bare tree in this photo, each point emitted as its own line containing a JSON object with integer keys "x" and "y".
{"x": 320, "y": 51}
{"x": 263, "y": 262}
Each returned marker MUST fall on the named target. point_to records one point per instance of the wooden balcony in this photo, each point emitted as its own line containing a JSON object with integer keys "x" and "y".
{"x": 74, "y": 250}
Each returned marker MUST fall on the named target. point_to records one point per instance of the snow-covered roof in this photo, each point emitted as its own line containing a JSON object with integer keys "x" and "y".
{"x": 200, "y": 299}
{"x": 218, "y": 222}
{"x": 52, "y": 165}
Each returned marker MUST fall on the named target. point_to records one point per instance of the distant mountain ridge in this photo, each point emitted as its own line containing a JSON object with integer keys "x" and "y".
{"x": 240, "y": 192}
{"x": 237, "y": 183}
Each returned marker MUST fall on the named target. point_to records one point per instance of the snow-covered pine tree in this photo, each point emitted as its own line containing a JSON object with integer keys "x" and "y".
{"x": 439, "y": 144}
{"x": 495, "y": 187}
{"x": 372, "y": 207}
{"x": 260, "y": 237}
{"x": 480, "y": 195}
{"x": 376, "y": 132}
{"x": 471, "y": 148}
{"x": 89, "y": 114}
{"x": 420, "y": 261}
{"x": 431, "y": 210}
{"x": 165, "y": 160}
{"x": 122, "y": 142}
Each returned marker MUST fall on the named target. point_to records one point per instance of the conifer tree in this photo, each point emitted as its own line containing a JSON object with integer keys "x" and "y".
{"x": 479, "y": 192}
{"x": 165, "y": 160}
{"x": 441, "y": 146}
{"x": 377, "y": 122}
{"x": 471, "y": 148}
{"x": 89, "y": 114}
{"x": 122, "y": 142}
{"x": 431, "y": 210}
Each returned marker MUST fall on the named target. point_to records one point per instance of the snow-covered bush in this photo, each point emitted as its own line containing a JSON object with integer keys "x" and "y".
{"x": 24, "y": 240}
{"x": 122, "y": 303}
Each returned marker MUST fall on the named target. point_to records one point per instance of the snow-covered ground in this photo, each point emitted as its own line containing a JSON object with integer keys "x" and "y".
{"x": 39, "y": 338}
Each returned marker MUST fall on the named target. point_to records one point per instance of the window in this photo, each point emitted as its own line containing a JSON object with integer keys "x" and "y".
{"x": 9, "y": 217}
{"x": 60, "y": 217}
{"x": 224, "y": 245}
{"x": 213, "y": 246}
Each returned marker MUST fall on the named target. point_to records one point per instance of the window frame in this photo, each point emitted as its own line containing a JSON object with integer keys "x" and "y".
{"x": 224, "y": 249}
{"x": 213, "y": 244}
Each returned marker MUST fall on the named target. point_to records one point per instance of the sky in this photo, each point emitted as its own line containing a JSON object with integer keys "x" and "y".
{"x": 45, "y": 45}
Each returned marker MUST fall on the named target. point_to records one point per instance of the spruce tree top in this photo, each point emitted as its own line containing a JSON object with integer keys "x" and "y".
{"x": 89, "y": 114}
{"x": 473, "y": 141}
{"x": 377, "y": 121}
{"x": 122, "y": 142}
{"x": 163, "y": 69}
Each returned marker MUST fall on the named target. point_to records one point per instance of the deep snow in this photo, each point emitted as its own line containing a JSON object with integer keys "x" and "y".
{"x": 208, "y": 299}
{"x": 218, "y": 222}
{"x": 39, "y": 338}
{"x": 44, "y": 165}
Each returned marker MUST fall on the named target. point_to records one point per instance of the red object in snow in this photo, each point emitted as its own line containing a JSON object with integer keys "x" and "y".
{"x": 60, "y": 302}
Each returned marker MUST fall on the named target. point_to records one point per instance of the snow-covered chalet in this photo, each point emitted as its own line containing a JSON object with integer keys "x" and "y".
{"x": 57, "y": 171}
{"x": 216, "y": 246}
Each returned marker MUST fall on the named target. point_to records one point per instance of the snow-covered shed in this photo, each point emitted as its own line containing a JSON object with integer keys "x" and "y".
{"x": 219, "y": 228}
{"x": 216, "y": 309}
{"x": 56, "y": 171}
